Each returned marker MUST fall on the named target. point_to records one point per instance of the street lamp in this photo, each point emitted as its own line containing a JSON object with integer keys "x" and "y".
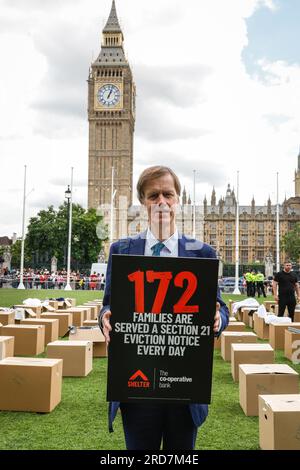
{"x": 68, "y": 196}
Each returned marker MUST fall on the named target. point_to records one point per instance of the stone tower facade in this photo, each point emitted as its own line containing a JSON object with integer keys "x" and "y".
{"x": 111, "y": 116}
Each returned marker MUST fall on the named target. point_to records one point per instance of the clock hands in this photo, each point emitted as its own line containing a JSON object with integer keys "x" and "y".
{"x": 109, "y": 93}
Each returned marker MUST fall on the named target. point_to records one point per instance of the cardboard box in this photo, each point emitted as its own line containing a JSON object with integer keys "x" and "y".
{"x": 93, "y": 334}
{"x": 254, "y": 320}
{"x": 30, "y": 384}
{"x": 90, "y": 323}
{"x": 247, "y": 313}
{"x": 279, "y": 422}
{"x": 292, "y": 346}
{"x": 7, "y": 346}
{"x": 64, "y": 319}
{"x": 296, "y": 317}
{"x": 71, "y": 300}
{"x": 87, "y": 310}
{"x": 77, "y": 356}
{"x": 250, "y": 354}
{"x": 31, "y": 310}
{"x": 266, "y": 379}
{"x": 232, "y": 319}
{"x": 269, "y": 304}
{"x": 229, "y": 337}
{"x": 51, "y": 327}
{"x": 95, "y": 309}
{"x": 7, "y": 318}
{"x": 77, "y": 315}
{"x": 277, "y": 333}
{"x": 53, "y": 304}
{"x": 67, "y": 303}
{"x": 234, "y": 326}
{"x": 29, "y": 339}
{"x": 261, "y": 328}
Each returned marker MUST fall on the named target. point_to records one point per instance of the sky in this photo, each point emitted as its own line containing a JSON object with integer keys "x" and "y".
{"x": 218, "y": 90}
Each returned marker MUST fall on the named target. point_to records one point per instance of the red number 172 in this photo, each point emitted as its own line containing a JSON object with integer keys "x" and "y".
{"x": 164, "y": 278}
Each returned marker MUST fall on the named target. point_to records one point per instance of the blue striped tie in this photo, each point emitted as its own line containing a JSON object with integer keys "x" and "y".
{"x": 156, "y": 249}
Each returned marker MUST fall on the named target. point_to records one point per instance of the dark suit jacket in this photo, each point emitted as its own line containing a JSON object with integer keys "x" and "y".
{"x": 187, "y": 247}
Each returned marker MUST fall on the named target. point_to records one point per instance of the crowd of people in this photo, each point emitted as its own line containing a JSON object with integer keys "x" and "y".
{"x": 44, "y": 279}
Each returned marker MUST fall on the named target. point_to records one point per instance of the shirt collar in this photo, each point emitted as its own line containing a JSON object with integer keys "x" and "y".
{"x": 170, "y": 243}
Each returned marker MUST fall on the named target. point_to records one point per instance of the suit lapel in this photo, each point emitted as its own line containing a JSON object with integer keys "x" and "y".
{"x": 137, "y": 245}
{"x": 182, "y": 251}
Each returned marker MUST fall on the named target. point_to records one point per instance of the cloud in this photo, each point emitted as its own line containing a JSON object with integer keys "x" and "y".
{"x": 197, "y": 107}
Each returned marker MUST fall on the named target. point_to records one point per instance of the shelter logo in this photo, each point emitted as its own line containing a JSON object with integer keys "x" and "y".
{"x": 138, "y": 380}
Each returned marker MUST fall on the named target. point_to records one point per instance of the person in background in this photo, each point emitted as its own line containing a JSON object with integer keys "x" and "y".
{"x": 285, "y": 289}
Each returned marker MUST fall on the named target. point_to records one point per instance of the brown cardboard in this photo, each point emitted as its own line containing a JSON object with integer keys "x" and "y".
{"x": 261, "y": 328}
{"x": 292, "y": 346}
{"x": 251, "y": 321}
{"x": 31, "y": 311}
{"x": 250, "y": 354}
{"x": 53, "y": 304}
{"x": 71, "y": 301}
{"x": 30, "y": 384}
{"x": 296, "y": 317}
{"x": 77, "y": 356}
{"x": 7, "y": 346}
{"x": 65, "y": 320}
{"x": 270, "y": 303}
{"x": 7, "y": 318}
{"x": 254, "y": 319}
{"x": 95, "y": 309}
{"x": 232, "y": 319}
{"x": 91, "y": 334}
{"x": 245, "y": 314}
{"x": 277, "y": 333}
{"x": 87, "y": 310}
{"x": 234, "y": 326}
{"x": 77, "y": 315}
{"x": 230, "y": 303}
{"x": 49, "y": 308}
{"x": 29, "y": 339}
{"x": 51, "y": 327}
{"x": 230, "y": 337}
{"x": 90, "y": 323}
{"x": 279, "y": 422}
{"x": 267, "y": 379}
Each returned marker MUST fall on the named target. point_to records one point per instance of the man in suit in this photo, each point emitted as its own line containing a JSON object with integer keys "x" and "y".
{"x": 147, "y": 425}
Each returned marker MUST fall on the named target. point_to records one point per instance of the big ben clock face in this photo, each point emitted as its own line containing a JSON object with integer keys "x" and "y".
{"x": 109, "y": 95}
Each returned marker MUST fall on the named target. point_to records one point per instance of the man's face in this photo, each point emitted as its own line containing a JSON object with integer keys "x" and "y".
{"x": 287, "y": 267}
{"x": 160, "y": 200}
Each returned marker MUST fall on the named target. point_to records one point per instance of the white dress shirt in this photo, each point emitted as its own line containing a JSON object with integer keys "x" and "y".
{"x": 170, "y": 248}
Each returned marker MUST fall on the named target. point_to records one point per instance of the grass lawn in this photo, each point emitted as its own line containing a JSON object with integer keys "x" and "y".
{"x": 80, "y": 420}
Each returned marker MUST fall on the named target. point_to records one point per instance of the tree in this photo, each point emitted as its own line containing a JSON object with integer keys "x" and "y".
{"x": 15, "y": 251}
{"x": 291, "y": 243}
{"x": 47, "y": 236}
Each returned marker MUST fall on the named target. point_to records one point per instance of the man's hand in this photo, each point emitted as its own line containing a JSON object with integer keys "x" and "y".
{"x": 106, "y": 325}
{"x": 217, "y": 318}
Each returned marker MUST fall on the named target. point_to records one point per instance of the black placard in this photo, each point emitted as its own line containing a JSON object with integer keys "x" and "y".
{"x": 167, "y": 356}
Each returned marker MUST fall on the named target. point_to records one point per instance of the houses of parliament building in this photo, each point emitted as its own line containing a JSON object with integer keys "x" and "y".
{"x": 111, "y": 115}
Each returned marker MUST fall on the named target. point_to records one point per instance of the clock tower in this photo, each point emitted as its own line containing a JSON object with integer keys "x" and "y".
{"x": 111, "y": 116}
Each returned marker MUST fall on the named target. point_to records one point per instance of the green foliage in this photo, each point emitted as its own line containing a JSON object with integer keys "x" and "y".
{"x": 291, "y": 243}
{"x": 48, "y": 235}
{"x": 15, "y": 251}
